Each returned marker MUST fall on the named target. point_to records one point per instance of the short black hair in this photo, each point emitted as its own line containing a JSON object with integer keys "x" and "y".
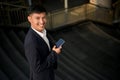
{"x": 36, "y": 9}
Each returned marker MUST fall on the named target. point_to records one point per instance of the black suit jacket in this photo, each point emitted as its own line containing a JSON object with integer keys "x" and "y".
{"x": 42, "y": 61}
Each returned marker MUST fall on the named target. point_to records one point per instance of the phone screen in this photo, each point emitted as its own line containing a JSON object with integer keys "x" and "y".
{"x": 60, "y": 42}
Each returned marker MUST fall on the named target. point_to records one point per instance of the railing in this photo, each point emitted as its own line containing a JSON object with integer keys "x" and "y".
{"x": 17, "y": 16}
{"x": 78, "y": 14}
{"x": 12, "y": 14}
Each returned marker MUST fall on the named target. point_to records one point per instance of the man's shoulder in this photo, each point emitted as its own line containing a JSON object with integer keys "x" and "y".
{"x": 30, "y": 33}
{"x": 30, "y": 37}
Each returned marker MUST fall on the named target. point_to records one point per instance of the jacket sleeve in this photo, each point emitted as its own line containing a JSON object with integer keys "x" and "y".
{"x": 52, "y": 59}
{"x": 35, "y": 61}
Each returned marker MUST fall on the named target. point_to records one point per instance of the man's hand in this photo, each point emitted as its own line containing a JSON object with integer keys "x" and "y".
{"x": 57, "y": 50}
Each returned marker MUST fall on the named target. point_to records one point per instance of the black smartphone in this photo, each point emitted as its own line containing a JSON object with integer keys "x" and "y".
{"x": 60, "y": 42}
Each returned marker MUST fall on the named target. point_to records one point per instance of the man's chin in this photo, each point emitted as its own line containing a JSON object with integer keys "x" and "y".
{"x": 42, "y": 28}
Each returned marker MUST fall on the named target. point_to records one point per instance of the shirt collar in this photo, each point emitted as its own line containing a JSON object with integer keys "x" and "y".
{"x": 42, "y": 34}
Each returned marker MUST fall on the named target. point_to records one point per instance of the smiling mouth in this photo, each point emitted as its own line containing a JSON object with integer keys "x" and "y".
{"x": 40, "y": 24}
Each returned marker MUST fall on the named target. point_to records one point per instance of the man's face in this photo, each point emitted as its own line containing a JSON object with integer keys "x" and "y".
{"x": 38, "y": 21}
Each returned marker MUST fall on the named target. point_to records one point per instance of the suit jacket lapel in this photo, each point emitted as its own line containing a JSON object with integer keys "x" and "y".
{"x": 40, "y": 39}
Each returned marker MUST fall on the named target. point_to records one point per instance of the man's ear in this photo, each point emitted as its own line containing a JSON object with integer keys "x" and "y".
{"x": 29, "y": 18}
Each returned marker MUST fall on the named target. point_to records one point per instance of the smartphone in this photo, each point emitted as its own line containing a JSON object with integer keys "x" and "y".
{"x": 60, "y": 42}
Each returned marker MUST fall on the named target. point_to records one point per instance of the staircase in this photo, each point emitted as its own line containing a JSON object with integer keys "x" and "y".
{"x": 88, "y": 54}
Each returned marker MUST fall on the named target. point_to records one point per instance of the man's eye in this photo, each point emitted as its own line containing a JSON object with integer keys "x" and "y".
{"x": 37, "y": 18}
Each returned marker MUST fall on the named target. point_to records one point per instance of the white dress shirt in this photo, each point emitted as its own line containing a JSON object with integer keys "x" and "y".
{"x": 43, "y": 35}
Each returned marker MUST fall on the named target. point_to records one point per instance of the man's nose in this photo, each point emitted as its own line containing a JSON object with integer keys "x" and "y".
{"x": 41, "y": 21}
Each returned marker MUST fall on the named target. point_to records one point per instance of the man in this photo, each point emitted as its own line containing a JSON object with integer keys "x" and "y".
{"x": 39, "y": 51}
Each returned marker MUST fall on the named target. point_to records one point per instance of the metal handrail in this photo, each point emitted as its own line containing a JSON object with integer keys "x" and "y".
{"x": 58, "y": 18}
{"x": 12, "y": 5}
